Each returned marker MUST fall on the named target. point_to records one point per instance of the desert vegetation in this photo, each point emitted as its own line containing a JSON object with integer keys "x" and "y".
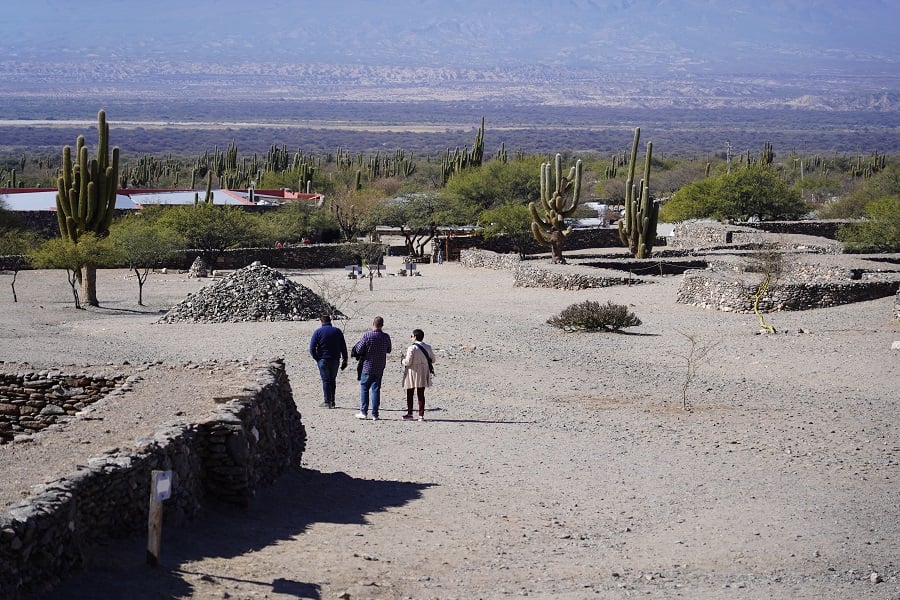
{"x": 419, "y": 193}
{"x": 593, "y": 316}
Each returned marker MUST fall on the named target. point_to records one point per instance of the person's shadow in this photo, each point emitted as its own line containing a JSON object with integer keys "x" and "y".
{"x": 299, "y": 498}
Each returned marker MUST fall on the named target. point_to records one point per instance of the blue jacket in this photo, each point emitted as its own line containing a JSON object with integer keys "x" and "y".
{"x": 328, "y": 342}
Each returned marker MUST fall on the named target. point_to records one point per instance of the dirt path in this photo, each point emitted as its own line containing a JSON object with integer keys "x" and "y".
{"x": 552, "y": 465}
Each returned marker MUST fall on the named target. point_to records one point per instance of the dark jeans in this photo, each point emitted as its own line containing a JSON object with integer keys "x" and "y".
{"x": 328, "y": 370}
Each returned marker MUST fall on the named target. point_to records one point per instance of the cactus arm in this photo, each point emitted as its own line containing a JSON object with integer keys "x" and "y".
{"x": 61, "y": 198}
{"x": 539, "y": 235}
{"x": 536, "y": 217}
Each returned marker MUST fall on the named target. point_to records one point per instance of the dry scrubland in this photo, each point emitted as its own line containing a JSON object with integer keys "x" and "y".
{"x": 553, "y": 465}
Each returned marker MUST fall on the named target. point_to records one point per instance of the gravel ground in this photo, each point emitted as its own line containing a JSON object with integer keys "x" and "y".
{"x": 552, "y": 464}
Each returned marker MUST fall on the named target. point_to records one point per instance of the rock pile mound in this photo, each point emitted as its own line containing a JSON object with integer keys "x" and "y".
{"x": 254, "y": 293}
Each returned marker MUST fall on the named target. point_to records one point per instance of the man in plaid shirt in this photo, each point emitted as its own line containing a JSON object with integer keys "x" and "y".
{"x": 375, "y": 345}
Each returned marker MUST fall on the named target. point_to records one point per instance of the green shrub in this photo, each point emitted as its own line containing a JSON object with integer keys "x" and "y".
{"x": 879, "y": 232}
{"x": 593, "y": 316}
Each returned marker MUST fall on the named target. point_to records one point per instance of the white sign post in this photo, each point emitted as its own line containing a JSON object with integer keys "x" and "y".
{"x": 160, "y": 489}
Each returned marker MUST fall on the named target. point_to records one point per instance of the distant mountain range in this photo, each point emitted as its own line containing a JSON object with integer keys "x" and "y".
{"x": 662, "y": 37}
{"x": 27, "y": 88}
{"x": 804, "y": 55}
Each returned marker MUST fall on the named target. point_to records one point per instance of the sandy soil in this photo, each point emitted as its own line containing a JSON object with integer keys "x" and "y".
{"x": 552, "y": 464}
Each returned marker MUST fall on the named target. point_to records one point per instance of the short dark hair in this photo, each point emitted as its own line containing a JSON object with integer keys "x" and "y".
{"x": 378, "y": 322}
{"x": 325, "y": 318}
{"x": 418, "y": 334}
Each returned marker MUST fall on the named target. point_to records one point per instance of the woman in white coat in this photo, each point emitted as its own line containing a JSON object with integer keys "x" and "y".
{"x": 417, "y": 371}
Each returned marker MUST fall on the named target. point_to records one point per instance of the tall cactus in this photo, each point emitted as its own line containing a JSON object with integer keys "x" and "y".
{"x": 637, "y": 229}
{"x": 86, "y": 197}
{"x": 548, "y": 223}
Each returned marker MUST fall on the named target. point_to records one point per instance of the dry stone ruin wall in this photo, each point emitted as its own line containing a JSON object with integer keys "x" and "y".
{"x": 246, "y": 443}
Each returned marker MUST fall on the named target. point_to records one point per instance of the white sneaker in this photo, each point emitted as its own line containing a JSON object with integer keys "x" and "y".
{"x": 361, "y": 416}
{"x": 374, "y": 418}
{"x": 421, "y": 418}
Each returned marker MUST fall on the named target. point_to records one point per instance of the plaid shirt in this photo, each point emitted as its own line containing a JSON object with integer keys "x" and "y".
{"x": 376, "y": 345}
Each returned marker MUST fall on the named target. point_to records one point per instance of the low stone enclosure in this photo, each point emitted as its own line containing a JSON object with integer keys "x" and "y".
{"x": 810, "y": 279}
{"x": 534, "y": 273}
{"x": 729, "y": 287}
{"x": 247, "y": 440}
{"x": 716, "y": 262}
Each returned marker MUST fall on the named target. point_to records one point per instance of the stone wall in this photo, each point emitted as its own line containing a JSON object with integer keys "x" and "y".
{"x": 31, "y": 401}
{"x": 711, "y": 234}
{"x": 246, "y": 443}
{"x": 529, "y": 274}
{"x": 305, "y": 256}
{"x": 825, "y": 229}
{"x": 727, "y": 292}
{"x": 477, "y": 258}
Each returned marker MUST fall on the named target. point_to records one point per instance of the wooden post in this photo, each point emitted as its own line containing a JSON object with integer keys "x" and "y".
{"x": 160, "y": 489}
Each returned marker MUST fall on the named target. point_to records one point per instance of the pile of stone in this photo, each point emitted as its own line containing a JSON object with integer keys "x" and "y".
{"x": 254, "y": 293}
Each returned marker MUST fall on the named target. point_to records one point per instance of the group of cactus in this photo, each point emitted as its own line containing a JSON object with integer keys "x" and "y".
{"x": 460, "y": 160}
{"x": 10, "y": 176}
{"x": 873, "y": 163}
{"x": 400, "y": 164}
{"x": 613, "y": 168}
{"x": 501, "y": 155}
{"x": 148, "y": 171}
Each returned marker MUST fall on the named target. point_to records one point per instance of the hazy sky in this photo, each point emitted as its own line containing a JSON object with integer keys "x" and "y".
{"x": 754, "y": 36}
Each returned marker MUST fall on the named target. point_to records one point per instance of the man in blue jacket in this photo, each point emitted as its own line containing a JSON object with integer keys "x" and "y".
{"x": 329, "y": 349}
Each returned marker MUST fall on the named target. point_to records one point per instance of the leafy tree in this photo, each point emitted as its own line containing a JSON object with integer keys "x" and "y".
{"x": 353, "y": 210}
{"x": 470, "y": 192}
{"x": 295, "y": 221}
{"x": 815, "y": 188}
{"x": 694, "y": 201}
{"x": 14, "y": 246}
{"x": 741, "y": 194}
{"x": 142, "y": 244}
{"x": 669, "y": 176}
{"x": 212, "y": 228}
{"x": 879, "y": 232}
{"x": 63, "y": 253}
{"x": 511, "y": 220}
{"x": 416, "y": 215}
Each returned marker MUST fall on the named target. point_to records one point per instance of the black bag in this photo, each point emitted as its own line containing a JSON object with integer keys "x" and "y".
{"x": 427, "y": 357}
{"x": 360, "y": 359}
